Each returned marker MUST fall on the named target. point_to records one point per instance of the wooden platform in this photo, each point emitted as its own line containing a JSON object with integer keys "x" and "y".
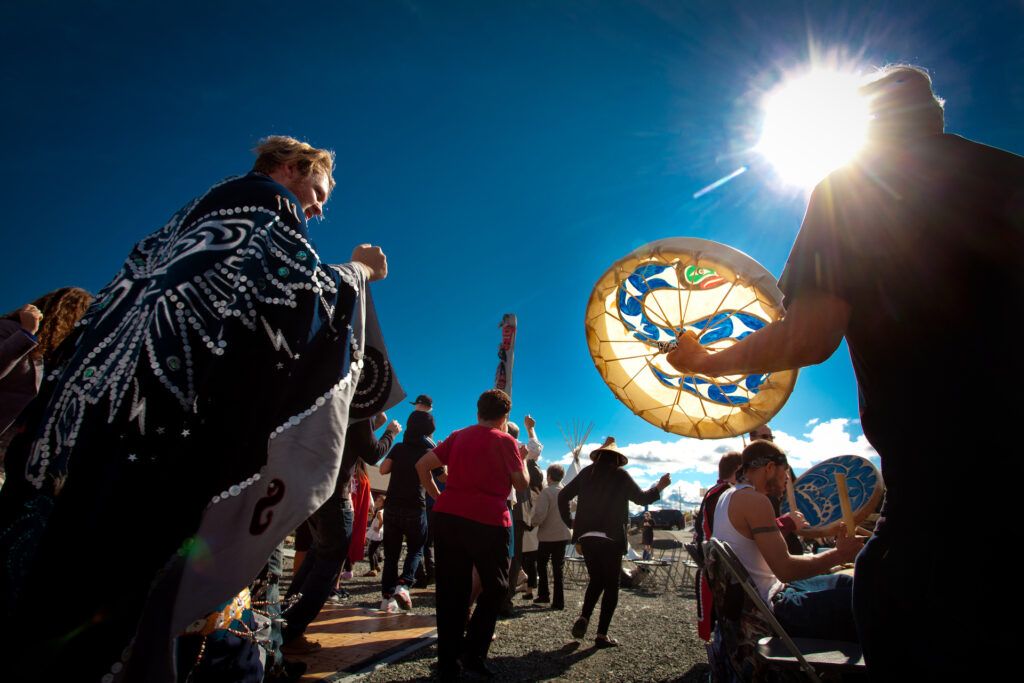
{"x": 356, "y": 639}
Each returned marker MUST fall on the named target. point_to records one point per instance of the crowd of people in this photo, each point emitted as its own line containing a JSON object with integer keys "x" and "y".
{"x": 204, "y": 405}
{"x": 202, "y": 408}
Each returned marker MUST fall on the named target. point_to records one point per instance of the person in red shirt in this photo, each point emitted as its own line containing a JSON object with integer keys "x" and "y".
{"x": 472, "y": 530}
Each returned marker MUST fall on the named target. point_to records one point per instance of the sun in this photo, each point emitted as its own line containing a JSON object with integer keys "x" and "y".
{"x": 813, "y": 124}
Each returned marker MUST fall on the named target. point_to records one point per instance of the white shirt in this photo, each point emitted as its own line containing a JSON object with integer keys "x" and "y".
{"x": 745, "y": 548}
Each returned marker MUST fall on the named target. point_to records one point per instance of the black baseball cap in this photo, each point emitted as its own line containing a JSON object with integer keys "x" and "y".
{"x": 425, "y": 400}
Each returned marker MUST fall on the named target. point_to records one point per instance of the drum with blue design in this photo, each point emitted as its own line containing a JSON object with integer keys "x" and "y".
{"x": 817, "y": 497}
{"x": 681, "y": 284}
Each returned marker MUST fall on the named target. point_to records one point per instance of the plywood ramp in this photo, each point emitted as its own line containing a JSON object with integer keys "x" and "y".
{"x": 355, "y": 639}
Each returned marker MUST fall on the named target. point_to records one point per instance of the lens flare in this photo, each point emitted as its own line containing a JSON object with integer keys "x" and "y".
{"x": 813, "y": 124}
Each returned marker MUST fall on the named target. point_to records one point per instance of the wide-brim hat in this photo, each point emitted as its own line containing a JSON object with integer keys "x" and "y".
{"x": 609, "y": 446}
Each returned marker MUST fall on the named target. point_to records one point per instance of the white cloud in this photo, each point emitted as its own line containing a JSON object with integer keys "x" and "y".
{"x": 650, "y": 459}
{"x": 687, "y": 493}
{"x": 825, "y": 440}
{"x": 654, "y": 458}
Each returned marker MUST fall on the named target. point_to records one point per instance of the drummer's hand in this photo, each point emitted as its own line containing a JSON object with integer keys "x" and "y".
{"x": 848, "y": 547}
{"x": 798, "y": 519}
{"x": 664, "y": 482}
{"x": 688, "y": 354}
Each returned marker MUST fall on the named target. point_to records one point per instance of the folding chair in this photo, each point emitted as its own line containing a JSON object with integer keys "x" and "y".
{"x": 574, "y": 569}
{"x": 690, "y": 568}
{"x": 746, "y": 624}
{"x": 663, "y": 567}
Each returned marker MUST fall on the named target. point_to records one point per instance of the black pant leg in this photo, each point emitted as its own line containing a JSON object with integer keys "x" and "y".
{"x": 489, "y": 549}
{"x": 543, "y": 553}
{"x": 603, "y": 561}
{"x": 454, "y": 583}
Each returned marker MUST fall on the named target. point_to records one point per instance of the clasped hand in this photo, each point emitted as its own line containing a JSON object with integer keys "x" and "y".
{"x": 689, "y": 353}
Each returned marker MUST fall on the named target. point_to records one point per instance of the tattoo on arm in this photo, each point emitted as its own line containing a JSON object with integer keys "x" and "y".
{"x": 763, "y": 530}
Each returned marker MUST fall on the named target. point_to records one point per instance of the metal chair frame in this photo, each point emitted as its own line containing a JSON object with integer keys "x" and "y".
{"x": 833, "y": 652}
{"x": 664, "y": 565}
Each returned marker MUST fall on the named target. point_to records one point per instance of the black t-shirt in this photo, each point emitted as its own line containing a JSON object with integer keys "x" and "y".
{"x": 924, "y": 243}
{"x": 404, "y": 488}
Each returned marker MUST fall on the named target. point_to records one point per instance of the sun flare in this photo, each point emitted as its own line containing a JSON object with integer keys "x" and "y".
{"x": 813, "y": 124}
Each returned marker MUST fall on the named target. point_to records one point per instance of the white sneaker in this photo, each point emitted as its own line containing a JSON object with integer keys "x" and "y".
{"x": 402, "y": 596}
{"x": 389, "y": 606}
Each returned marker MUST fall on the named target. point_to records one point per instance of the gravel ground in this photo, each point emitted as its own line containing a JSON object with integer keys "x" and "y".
{"x": 657, "y": 632}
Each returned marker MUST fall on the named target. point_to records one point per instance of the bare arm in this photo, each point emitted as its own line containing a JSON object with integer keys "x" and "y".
{"x": 423, "y": 466}
{"x": 385, "y": 467}
{"x": 809, "y": 333}
{"x": 519, "y": 480}
{"x": 758, "y": 521}
{"x": 530, "y": 423}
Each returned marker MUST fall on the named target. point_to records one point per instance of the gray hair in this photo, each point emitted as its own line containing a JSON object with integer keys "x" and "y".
{"x": 902, "y": 103}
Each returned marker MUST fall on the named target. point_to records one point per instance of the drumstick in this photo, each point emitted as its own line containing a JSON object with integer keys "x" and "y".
{"x": 791, "y": 495}
{"x": 844, "y": 503}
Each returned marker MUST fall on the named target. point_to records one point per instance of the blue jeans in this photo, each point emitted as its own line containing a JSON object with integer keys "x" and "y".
{"x": 410, "y": 523}
{"x": 818, "y": 607}
{"x": 332, "y": 530}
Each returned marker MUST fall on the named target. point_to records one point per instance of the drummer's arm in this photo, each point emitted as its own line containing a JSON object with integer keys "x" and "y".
{"x": 809, "y": 333}
{"x": 760, "y": 517}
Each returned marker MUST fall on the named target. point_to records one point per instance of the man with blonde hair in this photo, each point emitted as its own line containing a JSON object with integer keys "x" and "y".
{"x": 275, "y": 151}
{"x": 300, "y": 167}
{"x": 913, "y": 253}
{"x": 199, "y": 419}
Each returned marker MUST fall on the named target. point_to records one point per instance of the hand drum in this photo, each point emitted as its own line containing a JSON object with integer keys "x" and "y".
{"x": 639, "y": 305}
{"x": 818, "y": 499}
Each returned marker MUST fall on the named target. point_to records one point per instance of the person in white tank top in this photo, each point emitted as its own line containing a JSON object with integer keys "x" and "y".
{"x": 745, "y": 548}
{"x": 807, "y": 600}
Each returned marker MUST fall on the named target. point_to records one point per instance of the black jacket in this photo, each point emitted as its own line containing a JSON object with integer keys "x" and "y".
{"x": 604, "y": 493}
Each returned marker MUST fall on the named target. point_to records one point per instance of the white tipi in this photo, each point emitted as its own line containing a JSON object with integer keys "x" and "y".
{"x": 575, "y": 436}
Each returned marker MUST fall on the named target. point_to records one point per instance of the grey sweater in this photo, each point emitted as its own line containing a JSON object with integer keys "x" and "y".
{"x": 546, "y": 518}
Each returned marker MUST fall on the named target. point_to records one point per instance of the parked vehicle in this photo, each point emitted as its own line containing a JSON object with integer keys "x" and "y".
{"x": 663, "y": 519}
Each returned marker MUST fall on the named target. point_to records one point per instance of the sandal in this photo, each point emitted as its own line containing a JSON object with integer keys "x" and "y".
{"x": 579, "y": 629}
{"x": 604, "y": 641}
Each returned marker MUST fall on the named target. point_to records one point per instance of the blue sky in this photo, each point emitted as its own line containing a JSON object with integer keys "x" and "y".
{"x": 503, "y": 154}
